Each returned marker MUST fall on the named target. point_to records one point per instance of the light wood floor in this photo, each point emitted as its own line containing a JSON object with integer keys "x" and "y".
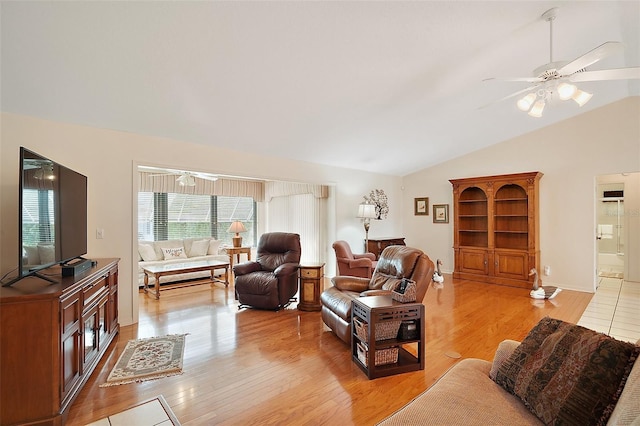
{"x": 260, "y": 367}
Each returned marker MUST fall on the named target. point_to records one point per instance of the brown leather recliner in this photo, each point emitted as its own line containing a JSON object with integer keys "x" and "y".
{"x": 395, "y": 263}
{"x": 354, "y": 265}
{"x": 271, "y": 281}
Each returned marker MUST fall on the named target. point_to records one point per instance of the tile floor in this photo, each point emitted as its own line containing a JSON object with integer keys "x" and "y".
{"x": 155, "y": 412}
{"x": 614, "y": 309}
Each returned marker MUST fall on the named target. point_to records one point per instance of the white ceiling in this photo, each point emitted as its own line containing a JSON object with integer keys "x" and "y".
{"x": 386, "y": 86}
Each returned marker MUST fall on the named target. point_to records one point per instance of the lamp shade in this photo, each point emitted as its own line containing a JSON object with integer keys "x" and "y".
{"x": 582, "y": 97}
{"x": 536, "y": 110}
{"x": 367, "y": 211}
{"x": 237, "y": 227}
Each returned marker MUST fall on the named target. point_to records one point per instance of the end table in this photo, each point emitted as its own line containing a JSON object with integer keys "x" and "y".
{"x": 311, "y": 278}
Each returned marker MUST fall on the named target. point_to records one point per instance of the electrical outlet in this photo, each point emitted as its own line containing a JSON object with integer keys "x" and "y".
{"x": 99, "y": 233}
{"x": 547, "y": 270}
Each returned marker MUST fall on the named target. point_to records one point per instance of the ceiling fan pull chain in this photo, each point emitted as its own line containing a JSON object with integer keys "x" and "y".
{"x": 551, "y": 39}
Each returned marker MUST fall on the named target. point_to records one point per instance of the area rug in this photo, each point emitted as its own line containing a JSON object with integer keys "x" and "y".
{"x": 148, "y": 359}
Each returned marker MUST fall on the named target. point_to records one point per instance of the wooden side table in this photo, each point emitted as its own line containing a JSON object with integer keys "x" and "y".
{"x": 375, "y": 311}
{"x": 237, "y": 251}
{"x": 311, "y": 277}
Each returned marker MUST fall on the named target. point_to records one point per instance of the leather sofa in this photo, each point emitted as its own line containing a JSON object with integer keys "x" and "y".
{"x": 271, "y": 281}
{"x": 395, "y": 263}
{"x": 355, "y": 265}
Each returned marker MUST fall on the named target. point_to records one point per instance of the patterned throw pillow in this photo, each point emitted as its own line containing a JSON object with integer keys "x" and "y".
{"x": 568, "y": 374}
{"x": 174, "y": 253}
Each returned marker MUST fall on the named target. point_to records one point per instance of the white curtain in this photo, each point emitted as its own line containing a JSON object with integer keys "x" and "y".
{"x": 303, "y": 213}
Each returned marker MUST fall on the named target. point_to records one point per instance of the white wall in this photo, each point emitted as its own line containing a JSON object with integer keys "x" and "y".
{"x": 109, "y": 158}
{"x": 570, "y": 154}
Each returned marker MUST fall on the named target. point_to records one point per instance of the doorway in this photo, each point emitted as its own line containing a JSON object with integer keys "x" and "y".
{"x": 617, "y": 196}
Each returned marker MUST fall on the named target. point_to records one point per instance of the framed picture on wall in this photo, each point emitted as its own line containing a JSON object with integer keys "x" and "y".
{"x": 441, "y": 213}
{"x": 421, "y": 206}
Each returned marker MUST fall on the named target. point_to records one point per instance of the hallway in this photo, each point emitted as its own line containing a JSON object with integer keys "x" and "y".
{"x": 614, "y": 309}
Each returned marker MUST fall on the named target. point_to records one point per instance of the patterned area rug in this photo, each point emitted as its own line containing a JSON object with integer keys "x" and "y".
{"x": 148, "y": 359}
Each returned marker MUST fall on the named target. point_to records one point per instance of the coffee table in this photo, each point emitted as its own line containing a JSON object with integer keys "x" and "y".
{"x": 182, "y": 268}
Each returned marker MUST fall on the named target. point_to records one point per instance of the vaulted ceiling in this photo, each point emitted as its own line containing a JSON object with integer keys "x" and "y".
{"x": 386, "y": 86}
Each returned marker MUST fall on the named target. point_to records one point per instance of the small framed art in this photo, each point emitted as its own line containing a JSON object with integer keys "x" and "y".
{"x": 441, "y": 213}
{"x": 421, "y": 206}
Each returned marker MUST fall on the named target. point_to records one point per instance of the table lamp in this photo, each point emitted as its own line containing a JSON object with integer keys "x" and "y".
{"x": 367, "y": 212}
{"x": 237, "y": 227}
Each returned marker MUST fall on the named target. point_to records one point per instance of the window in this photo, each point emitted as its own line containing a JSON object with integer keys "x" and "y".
{"x": 170, "y": 216}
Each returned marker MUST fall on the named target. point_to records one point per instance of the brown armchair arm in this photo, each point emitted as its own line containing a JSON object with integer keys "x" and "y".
{"x": 346, "y": 283}
{"x": 246, "y": 268}
{"x": 286, "y": 269}
{"x": 360, "y": 263}
{"x": 375, "y": 292}
{"x": 369, "y": 256}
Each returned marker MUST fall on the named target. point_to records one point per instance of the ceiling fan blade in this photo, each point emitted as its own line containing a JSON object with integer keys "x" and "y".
{"x": 591, "y": 57}
{"x": 519, "y": 92}
{"x": 612, "y": 74}
{"x": 520, "y": 79}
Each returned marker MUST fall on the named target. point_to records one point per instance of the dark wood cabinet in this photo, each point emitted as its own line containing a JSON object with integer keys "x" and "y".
{"x": 377, "y": 245}
{"x": 390, "y": 354}
{"x": 496, "y": 230}
{"x": 52, "y": 336}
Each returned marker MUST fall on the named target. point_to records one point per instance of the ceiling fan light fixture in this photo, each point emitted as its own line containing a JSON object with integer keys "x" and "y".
{"x": 186, "y": 180}
{"x": 536, "y": 110}
{"x": 566, "y": 91}
{"x": 581, "y": 97}
{"x": 525, "y": 103}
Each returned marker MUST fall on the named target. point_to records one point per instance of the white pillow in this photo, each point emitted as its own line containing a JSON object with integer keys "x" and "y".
{"x": 46, "y": 254}
{"x": 174, "y": 253}
{"x": 199, "y": 248}
{"x": 147, "y": 252}
{"x": 214, "y": 246}
{"x": 33, "y": 258}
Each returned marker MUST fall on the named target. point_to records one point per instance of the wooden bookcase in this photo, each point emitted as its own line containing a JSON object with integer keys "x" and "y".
{"x": 496, "y": 228}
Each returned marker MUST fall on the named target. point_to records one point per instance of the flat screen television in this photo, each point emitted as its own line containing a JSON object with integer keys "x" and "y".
{"x": 53, "y": 215}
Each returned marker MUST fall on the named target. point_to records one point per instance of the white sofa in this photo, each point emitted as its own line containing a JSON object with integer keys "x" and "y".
{"x": 179, "y": 251}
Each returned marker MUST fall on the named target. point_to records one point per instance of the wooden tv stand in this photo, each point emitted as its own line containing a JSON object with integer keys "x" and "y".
{"x": 52, "y": 336}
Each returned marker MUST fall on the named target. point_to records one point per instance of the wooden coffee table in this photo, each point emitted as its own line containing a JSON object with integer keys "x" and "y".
{"x": 182, "y": 268}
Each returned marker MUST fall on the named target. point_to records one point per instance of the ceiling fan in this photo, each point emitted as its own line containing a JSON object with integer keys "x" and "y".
{"x": 557, "y": 77}
{"x": 185, "y": 178}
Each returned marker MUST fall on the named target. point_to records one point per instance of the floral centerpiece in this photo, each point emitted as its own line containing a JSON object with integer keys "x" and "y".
{"x": 378, "y": 198}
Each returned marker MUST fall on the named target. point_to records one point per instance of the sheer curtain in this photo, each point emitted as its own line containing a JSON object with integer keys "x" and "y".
{"x": 299, "y": 208}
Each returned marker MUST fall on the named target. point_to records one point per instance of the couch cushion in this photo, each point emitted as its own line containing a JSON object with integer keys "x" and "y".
{"x": 565, "y": 373}
{"x": 627, "y": 411}
{"x": 465, "y": 395}
{"x": 214, "y": 246}
{"x": 147, "y": 253}
{"x": 199, "y": 248}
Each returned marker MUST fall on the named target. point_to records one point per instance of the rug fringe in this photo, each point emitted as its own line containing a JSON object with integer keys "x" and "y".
{"x": 140, "y": 379}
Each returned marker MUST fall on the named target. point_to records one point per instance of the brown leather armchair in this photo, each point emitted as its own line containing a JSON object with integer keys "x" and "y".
{"x": 395, "y": 263}
{"x": 355, "y": 265}
{"x": 271, "y": 281}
